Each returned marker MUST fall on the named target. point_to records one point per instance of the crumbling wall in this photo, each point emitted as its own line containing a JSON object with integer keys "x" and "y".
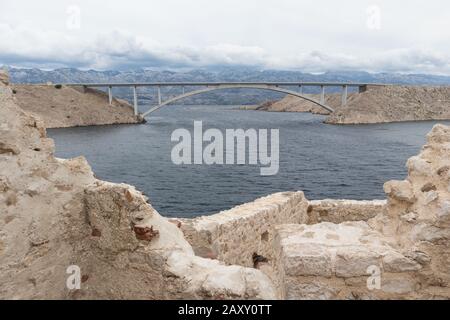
{"x": 336, "y": 261}
{"x": 244, "y": 234}
{"x": 338, "y": 211}
{"x": 235, "y": 235}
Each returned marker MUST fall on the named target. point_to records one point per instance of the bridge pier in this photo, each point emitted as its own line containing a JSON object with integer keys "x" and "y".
{"x": 159, "y": 95}
{"x": 322, "y": 94}
{"x": 110, "y": 95}
{"x": 344, "y": 95}
{"x": 135, "y": 102}
{"x": 301, "y": 89}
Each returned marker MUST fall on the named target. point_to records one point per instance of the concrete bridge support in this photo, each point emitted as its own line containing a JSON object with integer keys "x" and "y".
{"x": 322, "y": 94}
{"x": 159, "y": 95}
{"x": 135, "y": 101}
{"x": 110, "y": 95}
{"x": 344, "y": 95}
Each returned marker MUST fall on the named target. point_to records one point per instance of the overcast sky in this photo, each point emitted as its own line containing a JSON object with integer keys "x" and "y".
{"x": 312, "y": 36}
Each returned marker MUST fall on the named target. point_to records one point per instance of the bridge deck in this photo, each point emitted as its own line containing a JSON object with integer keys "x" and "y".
{"x": 171, "y": 84}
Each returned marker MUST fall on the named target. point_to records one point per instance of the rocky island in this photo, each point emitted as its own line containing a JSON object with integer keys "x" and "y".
{"x": 55, "y": 214}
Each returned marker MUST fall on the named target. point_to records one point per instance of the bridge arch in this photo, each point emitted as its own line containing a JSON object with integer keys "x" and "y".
{"x": 234, "y": 86}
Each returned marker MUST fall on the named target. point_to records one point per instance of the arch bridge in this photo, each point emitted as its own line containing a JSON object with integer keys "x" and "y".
{"x": 289, "y": 88}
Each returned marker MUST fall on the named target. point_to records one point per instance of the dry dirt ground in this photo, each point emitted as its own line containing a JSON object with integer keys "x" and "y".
{"x": 72, "y": 107}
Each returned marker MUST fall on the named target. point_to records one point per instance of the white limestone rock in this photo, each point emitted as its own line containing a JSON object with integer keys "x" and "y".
{"x": 443, "y": 212}
{"x": 396, "y": 262}
{"x": 431, "y": 196}
{"x": 409, "y": 217}
{"x": 307, "y": 260}
{"x": 399, "y": 284}
{"x": 418, "y": 167}
{"x": 212, "y": 279}
{"x": 400, "y": 191}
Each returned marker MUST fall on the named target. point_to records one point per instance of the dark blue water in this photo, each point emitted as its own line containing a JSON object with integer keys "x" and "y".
{"x": 324, "y": 161}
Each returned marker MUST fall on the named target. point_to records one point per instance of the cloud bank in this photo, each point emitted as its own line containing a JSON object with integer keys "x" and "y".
{"x": 311, "y": 36}
{"x": 117, "y": 50}
{"x": 26, "y": 45}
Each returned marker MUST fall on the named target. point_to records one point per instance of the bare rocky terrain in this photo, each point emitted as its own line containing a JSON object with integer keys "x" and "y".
{"x": 64, "y": 106}
{"x": 54, "y": 214}
{"x": 294, "y": 104}
{"x": 393, "y": 104}
{"x": 379, "y": 104}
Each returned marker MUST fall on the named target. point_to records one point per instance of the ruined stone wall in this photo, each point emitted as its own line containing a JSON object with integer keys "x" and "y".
{"x": 244, "y": 235}
{"x": 338, "y": 211}
{"x": 334, "y": 261}
{"x": 235, "y": 235}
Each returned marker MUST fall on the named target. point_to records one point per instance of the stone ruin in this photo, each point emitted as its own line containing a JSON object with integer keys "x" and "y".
{"x": 55, "y": 214}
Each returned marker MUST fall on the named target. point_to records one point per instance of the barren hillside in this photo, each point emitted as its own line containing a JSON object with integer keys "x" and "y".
{"x": 393, "y": 104}
{"x": 376, "y": 105}
{"x": 70, "y": 107}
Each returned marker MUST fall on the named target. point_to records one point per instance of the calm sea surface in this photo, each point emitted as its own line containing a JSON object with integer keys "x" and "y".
{"x": 324, "y": 161}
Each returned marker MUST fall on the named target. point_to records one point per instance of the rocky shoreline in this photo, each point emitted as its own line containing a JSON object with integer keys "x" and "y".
{"x": 55, "y": 214}
{"x": 378, "y": 104}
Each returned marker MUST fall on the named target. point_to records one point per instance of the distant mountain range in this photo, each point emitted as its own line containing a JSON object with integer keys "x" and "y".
{"x": 234, "y": 96}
